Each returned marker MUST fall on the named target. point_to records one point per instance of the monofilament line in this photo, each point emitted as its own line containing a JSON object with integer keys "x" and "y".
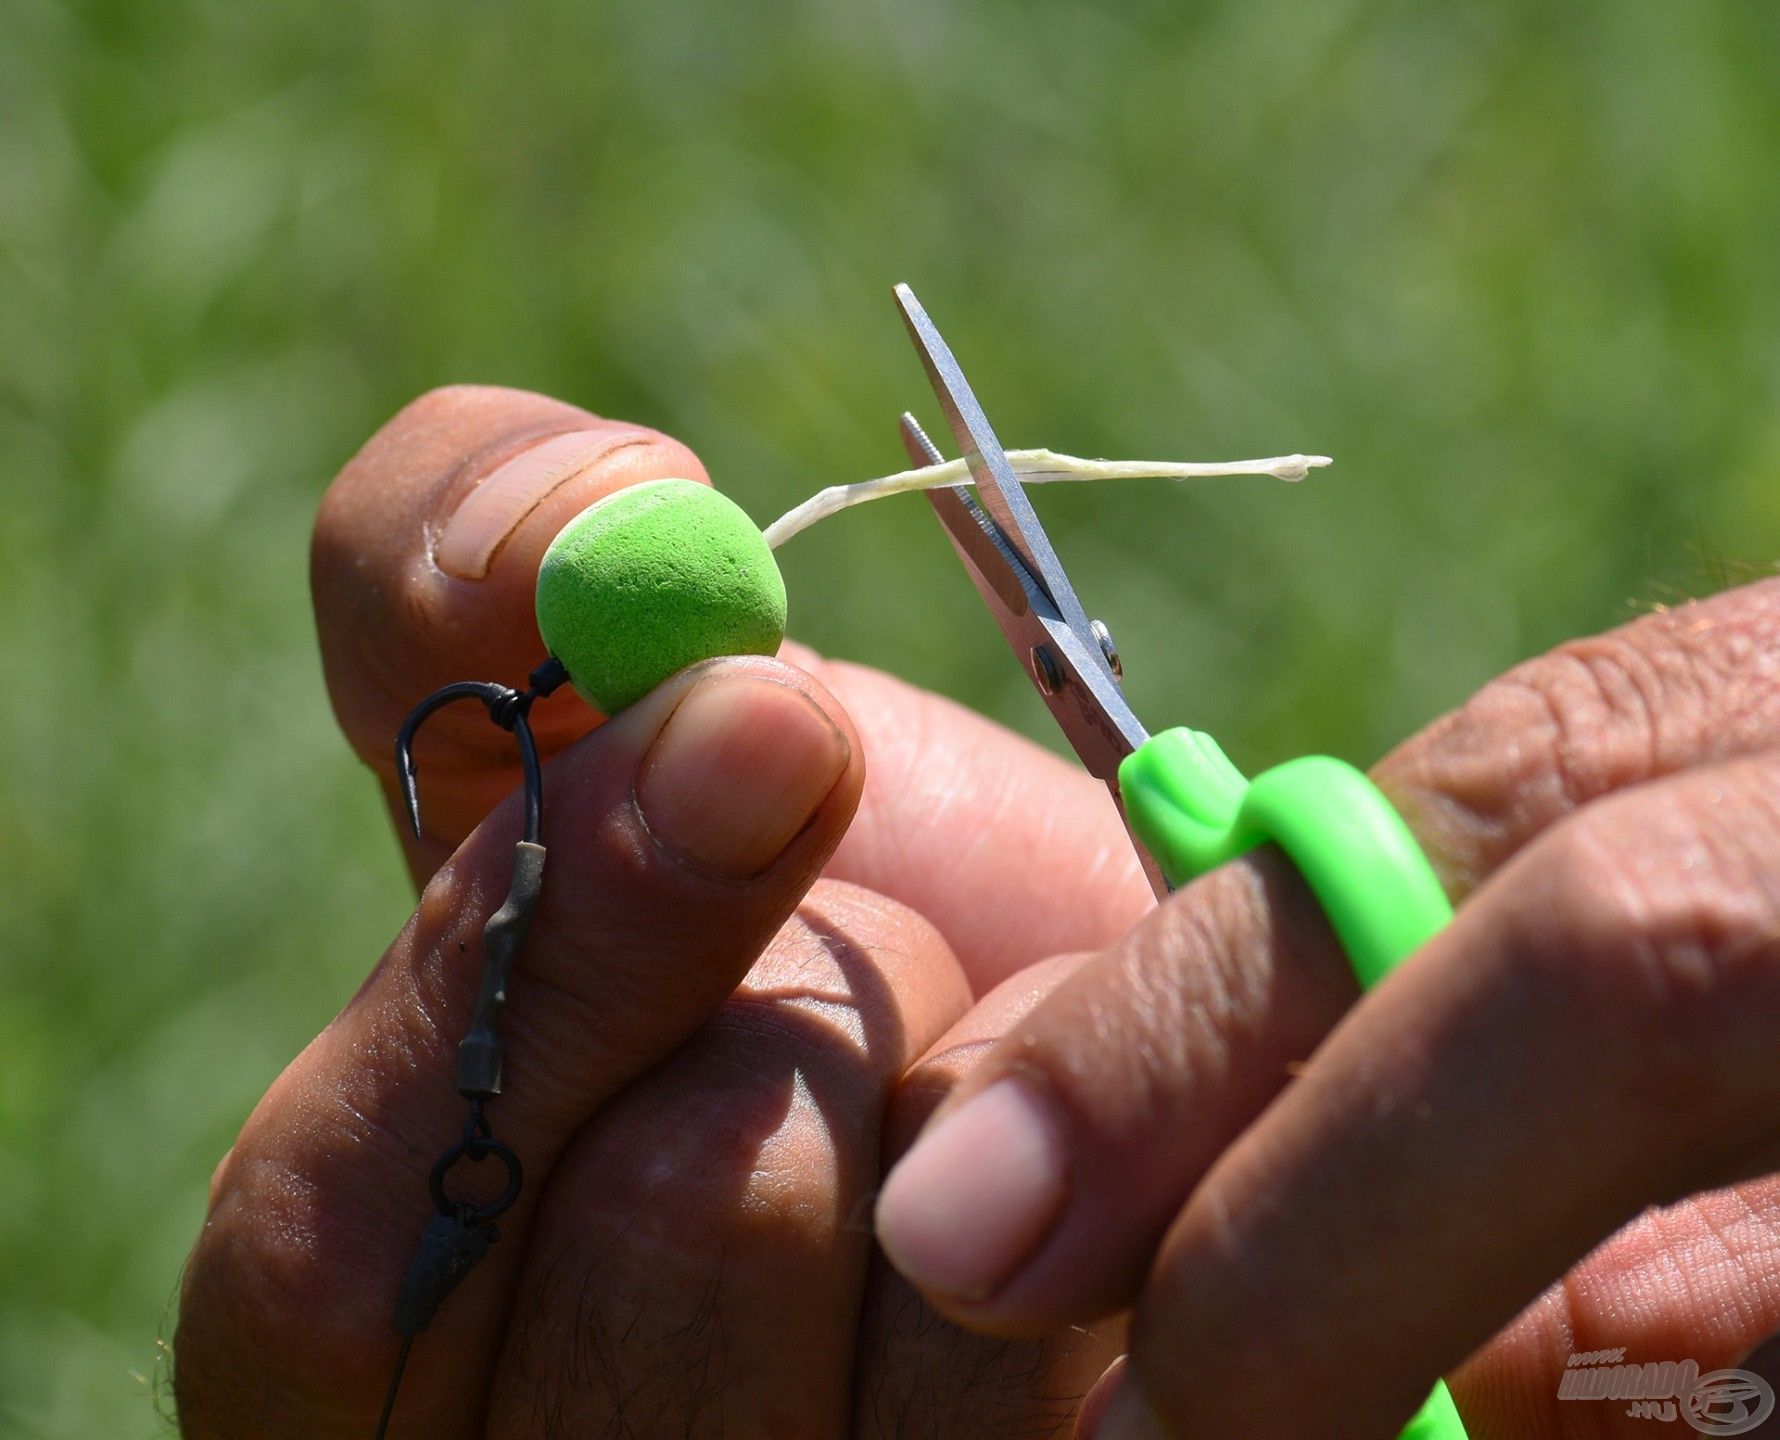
{"x": 1034, "y": 467}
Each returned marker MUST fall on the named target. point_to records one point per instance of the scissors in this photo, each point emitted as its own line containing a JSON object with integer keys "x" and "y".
{"x": 1187, "y": 808}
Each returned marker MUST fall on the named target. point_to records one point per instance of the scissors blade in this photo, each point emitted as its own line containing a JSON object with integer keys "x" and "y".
{"x": 1065, "y": 664}
{"x": 999, "y": 491}
{"x": 1087, "y": 704}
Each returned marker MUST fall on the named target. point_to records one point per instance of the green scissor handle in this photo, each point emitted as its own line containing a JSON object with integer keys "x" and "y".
{"x": 1194, "y": 810}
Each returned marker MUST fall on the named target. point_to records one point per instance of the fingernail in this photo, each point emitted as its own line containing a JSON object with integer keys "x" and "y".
{"x": 1098, "y": 1400}
{"x": 1128, "y": 1416}
{"x": 738, "y": 770}
{"x": 976, "y": 1194}
{"x": 501, "y": 500}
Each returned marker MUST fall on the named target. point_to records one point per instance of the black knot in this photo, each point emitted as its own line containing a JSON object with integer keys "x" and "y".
{"x": 509, "y": 708}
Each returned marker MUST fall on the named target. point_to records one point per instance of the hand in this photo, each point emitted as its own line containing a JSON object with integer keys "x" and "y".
{"x": 1308, "y": 1242}
{"x": 706, "y": 1032}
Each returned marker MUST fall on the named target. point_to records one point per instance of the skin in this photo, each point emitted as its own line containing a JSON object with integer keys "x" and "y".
{"x": 703, "y": 1117}
{"x": 1314, "y": 1203}
{"x": 1552, "y": 1131}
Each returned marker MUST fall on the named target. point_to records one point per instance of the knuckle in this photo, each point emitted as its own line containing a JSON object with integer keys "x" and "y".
{"x": 1661, "y": 912}
{"x": 1117, "y": 1050}
{"x": 676, "y": 1188}
{"x": 1606, "y": 696}
{"x": 680, "y": 1195}
{"x": 723, "y": 1185}
{"x": 1570, "y": 725}
{"x": 1593, "y": 716}
{"x": 1585, "y": 910}
{"x": 1189, "y": 1013}
{"x": 759, "y": 1121}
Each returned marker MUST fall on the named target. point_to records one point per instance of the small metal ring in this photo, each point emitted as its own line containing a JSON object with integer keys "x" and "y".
{"x": 475, "y": 1149}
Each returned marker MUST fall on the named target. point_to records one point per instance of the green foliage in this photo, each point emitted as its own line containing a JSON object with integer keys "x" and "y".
{"x": 1512, "y": 264}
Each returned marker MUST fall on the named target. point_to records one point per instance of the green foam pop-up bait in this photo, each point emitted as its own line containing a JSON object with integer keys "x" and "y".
{"x": 652, "y": 579}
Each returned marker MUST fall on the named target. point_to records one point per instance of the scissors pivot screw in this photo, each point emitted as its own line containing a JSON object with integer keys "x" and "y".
{"x": 1045, "y": 670}
{"x": 1107, "y": 648}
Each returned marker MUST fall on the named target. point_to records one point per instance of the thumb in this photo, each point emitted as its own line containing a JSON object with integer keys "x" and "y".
{"x": 422, "y": 569}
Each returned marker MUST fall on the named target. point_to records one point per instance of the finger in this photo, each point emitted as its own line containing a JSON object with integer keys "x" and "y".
{"x": 423, "y": 569}
{"x": 1697, "y": 1281}
{"x": 917, "y": 1372}
{"x": 681, "y": 836}
{"x": 1110, "y": 1103}
{"x": 1683, "y": 687}
{"x": 1592, "y": 1036}
{"x": 697, "y": 1266}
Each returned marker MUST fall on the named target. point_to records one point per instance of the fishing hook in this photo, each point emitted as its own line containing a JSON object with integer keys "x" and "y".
{"x": 459, "y": 1233}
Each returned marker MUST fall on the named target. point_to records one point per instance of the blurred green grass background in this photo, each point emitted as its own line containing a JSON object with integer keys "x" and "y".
{"x": 1512, "y": 264}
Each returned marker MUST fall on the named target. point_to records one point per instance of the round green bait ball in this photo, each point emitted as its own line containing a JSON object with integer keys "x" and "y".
{"x": 652, "y": 579}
